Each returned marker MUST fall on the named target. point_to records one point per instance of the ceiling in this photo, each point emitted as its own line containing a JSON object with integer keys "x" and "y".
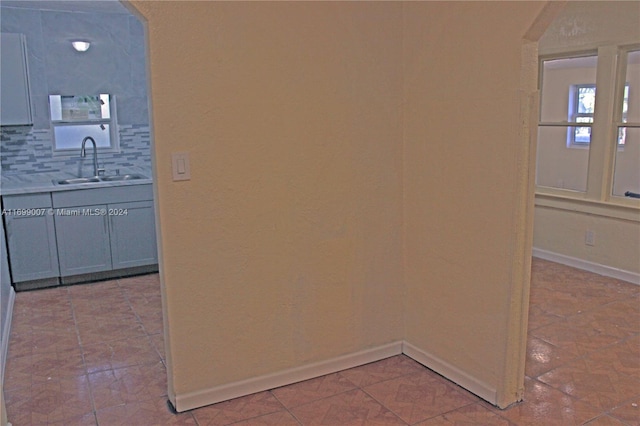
{"x": 91, "y": 6}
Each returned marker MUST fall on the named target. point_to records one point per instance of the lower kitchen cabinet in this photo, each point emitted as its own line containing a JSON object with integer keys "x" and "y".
{"x": 83, "y": 240}
{"x": 106, "y": 229}
{"x": 31, "y": 237}
{"x": 80, "y": 235}
{"x": 133, "y": 234}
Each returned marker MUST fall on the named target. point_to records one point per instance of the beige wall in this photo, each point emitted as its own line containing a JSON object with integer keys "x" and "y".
{"x": 560, "y": 225}
{"x": 617, "y": 240}
{"x": 463, "y": 163}
{"x": 286, "y": 247}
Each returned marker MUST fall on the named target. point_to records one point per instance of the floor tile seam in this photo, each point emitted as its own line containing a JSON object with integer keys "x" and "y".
{"x": 355, "y": 387}
{"x": 425, "y": 369}
{"x": 583, "y": 355}
{"x": 91, "y": 397}
{"x": 610, "y": 346}
{"x": 631, "y": 400}
{"x": 111, "y": 367}
{"x": 562, "y": 364}
{"x": 582, "y": 399}
{"x": 135, "y": 312}
{"x": 133, "y": 401}
{"x": 382, "y": 404}
{"x": 571, "y": 397}
{"x": 534, "y": 327}
{"x": 445, "y": 413}
{"x": 599, "y": 415}
{"x": 283, "y": 410}
{"x": 622, "y": 421}
{"x": 143, "y": 365}
{"x": 289, "y": 409}
{"x": 119, "y": 339}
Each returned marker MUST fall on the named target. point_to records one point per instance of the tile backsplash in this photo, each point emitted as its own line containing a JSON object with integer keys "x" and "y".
{"x": 24, "y": 150}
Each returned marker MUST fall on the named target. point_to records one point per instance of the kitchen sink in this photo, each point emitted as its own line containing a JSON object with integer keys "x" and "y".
{"x": 96, "y": 179}
{"x": 117, "y": 178}
{"x": 76, "y": 181}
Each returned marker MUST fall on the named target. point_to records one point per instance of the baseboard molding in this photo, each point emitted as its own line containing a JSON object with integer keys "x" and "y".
{"x": 454, "y": 374}
{"x": 188, "y": 401}
{"x": 607, "y": 271}
{"x": 4, "y": 349}
{"x": 204, "y": 397}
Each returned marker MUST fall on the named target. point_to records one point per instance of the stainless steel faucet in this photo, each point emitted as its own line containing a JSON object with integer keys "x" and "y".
{"x": 83, "y": 153}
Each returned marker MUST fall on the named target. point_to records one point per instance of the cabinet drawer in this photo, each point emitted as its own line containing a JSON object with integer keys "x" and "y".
{"x": 27, "y": 201}
{"x": 110, "y": 195}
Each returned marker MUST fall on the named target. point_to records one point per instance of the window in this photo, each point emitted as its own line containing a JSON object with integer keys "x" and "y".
{"x": 567, "y": 109}
{"x": 582, "y": 104}
{"x": 75, "y": 117}
{"x": 588, "y": 139}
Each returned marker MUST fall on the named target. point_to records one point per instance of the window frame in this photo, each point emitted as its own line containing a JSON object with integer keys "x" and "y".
{"x": 608, "y": 118}
{"x": 111, "y": 122}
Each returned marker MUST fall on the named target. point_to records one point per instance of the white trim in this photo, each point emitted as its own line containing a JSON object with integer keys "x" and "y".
{"x": 4, "y": 350}
{"x": 607, "y": 271}
{"x": 216, "y": 394}
{"x": 204, "y": 397}
{"x": 452, "y": 373}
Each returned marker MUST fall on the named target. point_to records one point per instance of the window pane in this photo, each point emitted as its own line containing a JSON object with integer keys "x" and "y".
{"x": 79, "y": 108}
{"x": 626, "y": 176}
{"x": 631, "y": 101}
{"x": 70, "y": 137}
{"x": 586, "y": 100}
{"x": 560, "y": 166}
{"x": 560, "y": 80}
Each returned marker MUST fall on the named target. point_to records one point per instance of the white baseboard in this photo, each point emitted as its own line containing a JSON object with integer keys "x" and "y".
{"x": 204, "y": 397}
{"x": 4, "y": 343}
{"x": 454, "y": 374}
{"x": 607, "y": 271}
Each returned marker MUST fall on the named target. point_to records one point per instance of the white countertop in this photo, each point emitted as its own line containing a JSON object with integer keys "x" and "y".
{"x": 43, "y": 182}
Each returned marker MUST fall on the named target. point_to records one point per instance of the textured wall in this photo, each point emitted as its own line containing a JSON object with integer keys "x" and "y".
{"x": 285, "y": 246}
{"x": 465, "y": 173}
{"x": 317, "y": 141}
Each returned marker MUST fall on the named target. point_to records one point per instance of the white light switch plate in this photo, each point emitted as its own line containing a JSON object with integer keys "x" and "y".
{"x": 180, "y": 166}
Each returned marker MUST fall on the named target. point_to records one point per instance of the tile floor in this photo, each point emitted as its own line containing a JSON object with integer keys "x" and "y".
{"x": 93, "y": 354}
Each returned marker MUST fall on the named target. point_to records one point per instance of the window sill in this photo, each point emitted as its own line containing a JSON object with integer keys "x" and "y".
{"x": 617, "y": 207}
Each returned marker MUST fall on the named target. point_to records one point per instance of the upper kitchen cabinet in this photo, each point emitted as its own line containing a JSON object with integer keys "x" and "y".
{"x": 15, "y": 103}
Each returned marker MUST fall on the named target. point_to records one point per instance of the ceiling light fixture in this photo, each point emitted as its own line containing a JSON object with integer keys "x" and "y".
{"x": 81, "y": 45}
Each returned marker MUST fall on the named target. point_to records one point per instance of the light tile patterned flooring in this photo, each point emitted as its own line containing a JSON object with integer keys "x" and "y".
{"x": 93, "y": 354}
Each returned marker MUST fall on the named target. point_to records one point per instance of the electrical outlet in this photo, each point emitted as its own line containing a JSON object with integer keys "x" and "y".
{"x": 590, "y": 238}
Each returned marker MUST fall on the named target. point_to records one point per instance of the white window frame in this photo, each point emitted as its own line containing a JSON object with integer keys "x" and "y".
{"x": 111, "y": 122}
{"x": 607, "y": 120}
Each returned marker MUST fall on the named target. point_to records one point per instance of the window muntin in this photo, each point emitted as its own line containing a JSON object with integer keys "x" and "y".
{"x": 626, "y": 174}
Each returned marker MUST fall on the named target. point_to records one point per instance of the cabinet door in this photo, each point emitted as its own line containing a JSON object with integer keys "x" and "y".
{"x": 15, "y": 104}
{"x": 32, "y": 246}
{"x": 83, "y": 240}
{"x": 133, "y": 234}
